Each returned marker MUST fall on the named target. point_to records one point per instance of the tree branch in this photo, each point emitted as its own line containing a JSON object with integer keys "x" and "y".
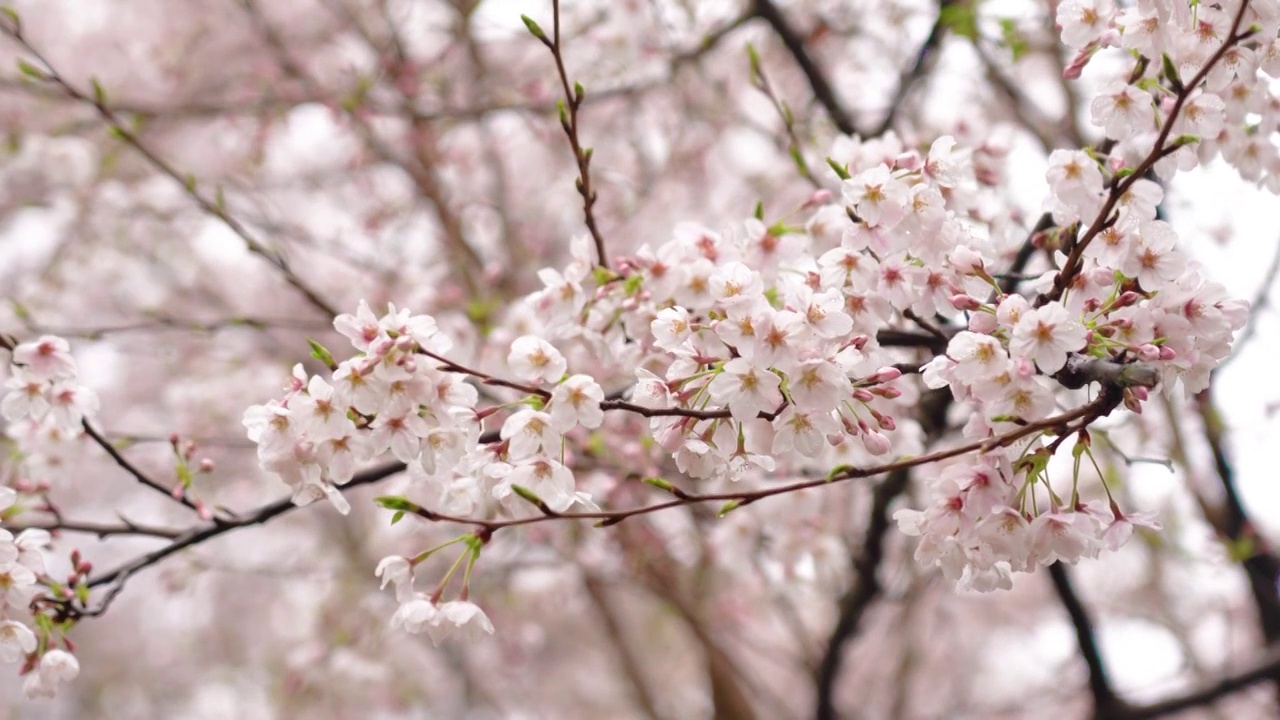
{"x": 1106, "y": 702}
{"x": 822, "y": 90}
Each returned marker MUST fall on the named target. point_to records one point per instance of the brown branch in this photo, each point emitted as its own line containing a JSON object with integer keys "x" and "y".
{"x": 632, "y": 665}
{"x": 573, "y": 98}
{"x": 102, "y": 530}
{"x": 926, "y": 59}
{"x": 1265, "y": 667}
{"x": 1100, "y": 407}
{"x": 1106, "y": 703}
{"x": 822, "y": 90}
{"x": 132, "y": 469}
{"x": 1262, "y": 566}
{"x": 1074, "y": 262}
{"x": 867, "y": 588}
{"x": 115, "y": 579}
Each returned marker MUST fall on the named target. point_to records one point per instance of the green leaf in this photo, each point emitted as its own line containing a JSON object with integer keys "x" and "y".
{"x": 529, "y": 496}
{"x": 395, "y": 502}
{"x": 578, "y": 92}
{"x": 322, "y": 354}
{"x": 758, "y": 213}
{"x": 31, "y": 71}
{"x": 774, "y": 298}
{"x": 99, "y": 95}
{"x": 534, "y": 29}
{"x": 1012, "y": 39}
{"x": 753, "y": 60}
{"x": 184, "y": 474}
{"x": 633, "y": 284}
{"x": 397, "y": 517}
{"x": 15, "y": 22}
{"x": 960, "y": 18}
{"x": 1171, "y": 72}
{"x": 1241, "y": 549}
{"x": 840, "y": 170}
{"x": 602, "y": 275}
{"x": 798, "y": 159}
{"x": 837, "y": 471}
{"x": 729, "y": 507}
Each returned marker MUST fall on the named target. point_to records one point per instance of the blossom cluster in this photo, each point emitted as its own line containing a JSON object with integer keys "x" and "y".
{"x": 419, "y": 612}
{"x": 781, "y": 350}
{"x": 45, "y": 404}
{"x": 1231, "y": 46}
{"x": 388, "y": 398}
{"x": 1134, "y": 297}
{"x": 22, "y": 580}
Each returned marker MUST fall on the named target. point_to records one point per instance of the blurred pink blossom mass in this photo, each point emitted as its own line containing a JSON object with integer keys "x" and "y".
{"x": 735, "y": 359}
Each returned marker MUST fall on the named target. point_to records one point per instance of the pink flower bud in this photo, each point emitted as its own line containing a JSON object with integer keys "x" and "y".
{"x": 885, "y": 374}
{"x": 1127, "y": 298}
{"x": 965, "y": 261}
{"x": 1076, "y": 66}
{"x": 983, "y": 323}
{"x": 1147, "y": 352}
{"x": 908, "y": 161}
{"x": 1167, "y": 353}
{"x": 862, "y": 395}
{"x": 1102, "y": 276}
{"x": 887, "y": 392}
{"x": 206, "y": 465}
{"x": 965, "y": 302}
{"x": 820, "y": 197}
{"x": 876, "y": 443}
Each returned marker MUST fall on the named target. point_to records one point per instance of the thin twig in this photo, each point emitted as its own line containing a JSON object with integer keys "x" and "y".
{"x": 573, "y": 99}
{"x": 132, "y": 469}
{"x": 102, "y": 530}
{"x": 1075, "y": 259}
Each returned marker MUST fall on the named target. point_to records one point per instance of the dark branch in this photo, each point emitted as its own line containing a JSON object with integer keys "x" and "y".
{"x": 867, "y": 588}
{"x": 822, "y": 90}
{"x": 1106, "y": 703}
